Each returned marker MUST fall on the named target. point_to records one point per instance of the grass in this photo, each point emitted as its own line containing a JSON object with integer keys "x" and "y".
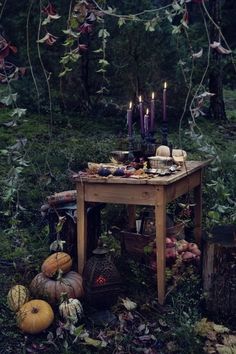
{"x": 24, "y": 238}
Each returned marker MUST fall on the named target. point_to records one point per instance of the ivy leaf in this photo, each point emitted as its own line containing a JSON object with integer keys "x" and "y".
{"x": 103, "y": 62}
{"x": 19, "y": 112}
{"x": 176, "y": 29}
{"x": 103, "y": 33}
{"x": 121, "y": 21}
{"x": 93, "y": 342}
{"x": 99, "y": 50}
{"x": 8, "y": 100}
{"x": 149, "y": 26}
{"x": 11, "y": 123}
{"x": 63, "y": 73}
{"x": 57, "y": 245}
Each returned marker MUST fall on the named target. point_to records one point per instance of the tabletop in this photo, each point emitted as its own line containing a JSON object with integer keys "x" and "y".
{"x": 188, "y": 168}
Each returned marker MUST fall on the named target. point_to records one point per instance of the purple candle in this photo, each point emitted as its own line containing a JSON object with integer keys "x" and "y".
{"x": 129, "y": 119}
{"x": 152, "y": 112}
{"x": 164, "y": 102}
{"x": 141, "y": 115}
{"x": 146, "y": 123}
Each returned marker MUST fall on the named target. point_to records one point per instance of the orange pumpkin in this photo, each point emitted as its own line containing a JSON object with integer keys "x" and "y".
{"x": 35, "y": 316}
{"x": 52, "y": 289}
{"x": 57, "y": 261}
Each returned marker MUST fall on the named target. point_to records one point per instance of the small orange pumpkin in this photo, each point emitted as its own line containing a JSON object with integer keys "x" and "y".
{"x": 52, "y": 289}
{"x": 35, "y": 316}
{"x": 57, "y": 261}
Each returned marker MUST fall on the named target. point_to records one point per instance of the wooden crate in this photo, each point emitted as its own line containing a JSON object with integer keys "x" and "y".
{"x": 134, "y": 243}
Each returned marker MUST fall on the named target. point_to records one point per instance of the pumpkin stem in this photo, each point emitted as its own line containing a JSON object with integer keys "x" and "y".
{"x": 35, "y": 310}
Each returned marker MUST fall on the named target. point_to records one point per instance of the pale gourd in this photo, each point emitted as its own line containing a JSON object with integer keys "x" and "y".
{"x": 17, "y": 296}
{"x": 71, "y": 310}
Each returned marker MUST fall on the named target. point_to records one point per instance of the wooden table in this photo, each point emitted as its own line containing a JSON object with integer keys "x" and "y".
{"x": 157, "y": 192}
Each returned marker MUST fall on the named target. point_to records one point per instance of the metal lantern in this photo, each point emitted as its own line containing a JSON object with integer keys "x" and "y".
{"x": 101, "y": 280}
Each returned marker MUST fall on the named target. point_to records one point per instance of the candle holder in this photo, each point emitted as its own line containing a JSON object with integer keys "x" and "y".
{"x": 149, "y": 144}
{"x": 164, "y": 132}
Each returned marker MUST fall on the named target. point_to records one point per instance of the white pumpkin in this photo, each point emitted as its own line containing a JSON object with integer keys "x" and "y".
{"x": 71, "y": 310}
{"x": 163, "y": 150}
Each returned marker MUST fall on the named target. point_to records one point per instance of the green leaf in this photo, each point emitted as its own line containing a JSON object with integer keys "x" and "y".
{"x": 8, "y": 100}
{"x": 93, "y": 342}
{"x": 19, "y": 112}
{"x": 103, "y": 33}
{"x": 63, "y": 73}
{"x": 176, "y": 29}
{"x": 103, "y": 62}
{"x": 99, "y": 50}
{"x": 121, "y": 21}
{"x": 74, "y": 23}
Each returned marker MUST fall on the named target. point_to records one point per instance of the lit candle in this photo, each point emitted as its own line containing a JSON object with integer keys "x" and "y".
{"x": 152, "y": 112}
{"x": 164, "y": 101}
{"x": 146, "y": 122}
{"x": 141, "y": 115}
{"x": 129, "y": 119}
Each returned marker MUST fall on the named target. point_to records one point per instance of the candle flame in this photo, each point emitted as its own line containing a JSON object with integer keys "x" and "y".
{"x": 130, "y": 105}
{"x": 147, "y": 111}
{"x": 165, "y": 85}
{"x": 140, "y": 99}
{"x": 153, "y": 95}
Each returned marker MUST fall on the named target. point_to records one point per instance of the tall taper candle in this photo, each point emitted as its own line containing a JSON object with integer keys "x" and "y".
{"x": 152, "y": 113}
{"x": 141, "y": 115}
{"x": 164, "y": 102}
{"x": 129, "y": 119}
{"x": 146, "y": 123}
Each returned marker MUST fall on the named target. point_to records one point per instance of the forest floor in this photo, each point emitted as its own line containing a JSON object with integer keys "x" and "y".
{"x": 183, "y": 324}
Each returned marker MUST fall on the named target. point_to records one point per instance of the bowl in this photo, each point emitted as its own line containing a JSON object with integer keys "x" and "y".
{"x": 160, "y": 162}
{"x": 120, "y": 155}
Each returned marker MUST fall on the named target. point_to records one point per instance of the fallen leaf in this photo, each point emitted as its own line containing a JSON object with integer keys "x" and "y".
{"x": 128, "y": 304}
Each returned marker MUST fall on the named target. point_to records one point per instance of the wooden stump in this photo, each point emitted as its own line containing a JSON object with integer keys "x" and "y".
{"x": 219, "y": 272}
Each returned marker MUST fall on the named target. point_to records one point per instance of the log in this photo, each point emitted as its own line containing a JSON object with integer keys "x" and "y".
{"x": 219, "y": 272}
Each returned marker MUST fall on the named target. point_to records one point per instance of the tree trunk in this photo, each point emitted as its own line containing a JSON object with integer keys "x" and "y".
{"x": 217, "y": 106}
{"x": 219, "y": 273}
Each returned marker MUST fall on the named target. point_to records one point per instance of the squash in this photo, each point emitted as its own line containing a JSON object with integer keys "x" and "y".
{"x": 52, "y": 289}
{"x": 163, "y": 150}
{"x": 71, "y": 310}
{"x": 57, "y": 261}
{"x": 17, "y": 296}
{"x": 35, "y": 316}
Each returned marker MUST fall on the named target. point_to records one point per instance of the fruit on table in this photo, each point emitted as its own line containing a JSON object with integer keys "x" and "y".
{"x": 52, "y": 289}
{"x": 17, "y": 296}
{"x": 104, "y": 172}
{"x": 35, "y": 316}
{"x": 57, "y": 261}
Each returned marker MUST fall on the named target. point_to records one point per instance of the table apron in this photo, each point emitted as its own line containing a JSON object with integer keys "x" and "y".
{"x": 120, "y": 194}
{"x": 142, "y": 194}
{"x": 183, "y": 186}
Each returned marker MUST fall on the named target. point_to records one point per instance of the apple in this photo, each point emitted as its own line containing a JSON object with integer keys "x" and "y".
{"x": 192, "y": 247}
{"x": 169, "y": 242}
{"x": 187, "y": 256}
{"x": 181, "y": 246}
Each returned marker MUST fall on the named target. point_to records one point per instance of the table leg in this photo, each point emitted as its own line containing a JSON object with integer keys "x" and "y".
{"x": 81, "y": 227}
{"x": 160, "y": 220}
{"x": 131, "y": 217}
{"x": 198, "y": 213}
